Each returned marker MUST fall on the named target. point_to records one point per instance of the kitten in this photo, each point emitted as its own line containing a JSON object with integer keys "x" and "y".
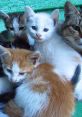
{"x": 72, "y": 27}
{"x": 42, "y": 92}
{"x": 43, "y": 29}
{"x": 14, "y": 35}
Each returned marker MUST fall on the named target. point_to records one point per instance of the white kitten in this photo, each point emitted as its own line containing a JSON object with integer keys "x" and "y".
{"x": 42, "y": 28}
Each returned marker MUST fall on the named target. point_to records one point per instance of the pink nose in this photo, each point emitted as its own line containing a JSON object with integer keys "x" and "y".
{"x": 38, "y": 35}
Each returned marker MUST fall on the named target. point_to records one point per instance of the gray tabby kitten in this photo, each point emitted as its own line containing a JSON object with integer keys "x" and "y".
{"x": 72, "y": 27}
{"x": 14, "y": 35}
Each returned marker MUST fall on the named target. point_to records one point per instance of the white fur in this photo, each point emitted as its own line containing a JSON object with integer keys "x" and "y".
{"x": 30, "y": 40}
{"x": 5, "y": 85}
{"x": 31, "y": 101}
{"x": 78, "y": 90}
{"x": 16, "y": 25}
{"x": 53, "y": 48}
{"x": 3, "y": 114}
{"x": 81, "y": 40}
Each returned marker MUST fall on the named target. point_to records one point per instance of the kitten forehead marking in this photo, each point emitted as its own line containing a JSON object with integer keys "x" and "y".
{"x": 15, "y": 68}
{"x": 16, "y": 24}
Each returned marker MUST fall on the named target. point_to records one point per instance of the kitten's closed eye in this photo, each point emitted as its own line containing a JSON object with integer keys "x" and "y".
{"x": 11, "y": 28}
{"x": 34, "y": 27}
{"x": 21, "y": 28}
{"x": 46, "y": 29}
{"x": 9, "y": 70}
{"x": 76, "y": 28}
{"x": 21, "y": 73}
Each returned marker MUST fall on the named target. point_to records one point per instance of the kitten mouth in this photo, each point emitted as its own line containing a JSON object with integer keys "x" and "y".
{"x": 38, "y": 39}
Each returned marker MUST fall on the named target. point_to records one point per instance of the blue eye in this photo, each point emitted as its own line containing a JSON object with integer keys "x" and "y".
{"x": 46, "y": 29}
{"x": 34, "y": 27}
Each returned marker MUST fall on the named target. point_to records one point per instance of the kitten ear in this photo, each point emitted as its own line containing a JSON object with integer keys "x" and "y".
{"x": 4, "y": 53}
{"x": 55, "y": 15}
{"x": 4, "y": 15}
{"x": 70, "y": 9}
{"x": 35, "y": 57}
{"x": 29, "y": 11}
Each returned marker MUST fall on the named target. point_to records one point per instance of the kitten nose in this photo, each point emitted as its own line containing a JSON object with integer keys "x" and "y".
{"x": 38, "y": 35}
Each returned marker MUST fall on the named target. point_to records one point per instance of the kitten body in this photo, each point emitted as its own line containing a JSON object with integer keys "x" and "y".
{"x": 43, "y": 29}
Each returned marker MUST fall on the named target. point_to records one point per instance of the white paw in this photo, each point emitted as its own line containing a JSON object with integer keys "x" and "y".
{"x": 78, "y": 94}
{"x": 3, "y": 114}
{"x": 78, "y": 90}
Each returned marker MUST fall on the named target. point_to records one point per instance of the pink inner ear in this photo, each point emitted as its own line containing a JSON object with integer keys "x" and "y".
{"x": 55, "y": 15}
{"x": 34, "y": 59}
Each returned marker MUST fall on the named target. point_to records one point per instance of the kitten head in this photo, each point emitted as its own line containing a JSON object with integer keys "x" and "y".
{"x": 40, "y": 26}
{"x": 18, "y": 63}
{"x": 14, "y": 23}
{"x": 72, "y": 26}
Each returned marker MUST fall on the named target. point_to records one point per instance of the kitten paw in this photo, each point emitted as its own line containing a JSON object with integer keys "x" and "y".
{"x": 78, "y": 94}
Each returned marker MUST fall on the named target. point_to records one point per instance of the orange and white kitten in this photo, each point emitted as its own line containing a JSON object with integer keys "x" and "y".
{"x": 43, "y": 27}
{"x": 43, "y": 93}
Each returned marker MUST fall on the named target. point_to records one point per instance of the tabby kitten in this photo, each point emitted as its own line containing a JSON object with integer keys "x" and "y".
{"x": 14, "y": 35}
{"x": 72, "y": 27}
{"x": 43, "y": 27}
{"x": 42, "y": 92}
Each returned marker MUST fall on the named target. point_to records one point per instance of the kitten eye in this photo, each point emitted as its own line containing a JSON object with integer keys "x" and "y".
{"x": 9, "y": 70}
{"x": 76, "y": 28}
{"x": 46, "y": 29}
{"x": 34, "y": 27}
{"x": 11, "y": 28}
{"x": 21, "y": 28}
{"x": 21, "y": 73}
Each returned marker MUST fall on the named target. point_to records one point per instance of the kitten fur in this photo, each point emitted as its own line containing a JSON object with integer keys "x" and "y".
{"x": 42, "y": 93}
{"x": 72, "y": 27}
{"x": 13, "y": 110}
{"x": 14, "y": 35}
{"x": 6, "y": 93}
{"x": 43, "y": 29}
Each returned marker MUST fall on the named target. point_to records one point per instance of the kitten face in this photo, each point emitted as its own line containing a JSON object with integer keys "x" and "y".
{"x": 40, "y": 26}
{"x": 14, "y": 23}
{"x": 72, "y": 27}
{"x": 15, "y": 65}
